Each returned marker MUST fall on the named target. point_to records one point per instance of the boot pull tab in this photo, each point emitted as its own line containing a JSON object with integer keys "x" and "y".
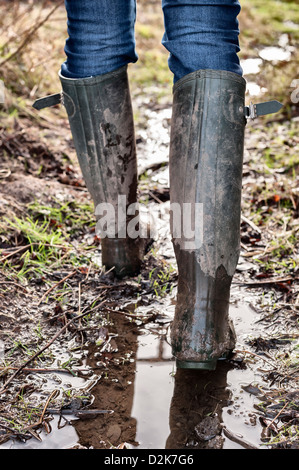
{"x": 48, "y": 101}
{"x": 252, "y": 111}
{"x": 261, "y": 109}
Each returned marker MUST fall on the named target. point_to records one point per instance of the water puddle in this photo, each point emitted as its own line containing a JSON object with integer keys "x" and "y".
{"x": 278, "y": 53}
{"x": 168, "y": 405}
{"x": 58, "y": 438}
{"x": 61, "y": 434}
{"x": 252, "y": 66}
{"x": 163, "y": 398}
{"x": 253, "y": 89}
{"x": 154, "y": 384}
{"x": 275, "y": 54}
{"x": 239, "y": 416}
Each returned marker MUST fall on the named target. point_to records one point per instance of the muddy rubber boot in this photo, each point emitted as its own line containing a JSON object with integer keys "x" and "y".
{"x": 206, "y": 158}
{"x": 101, "y": 120}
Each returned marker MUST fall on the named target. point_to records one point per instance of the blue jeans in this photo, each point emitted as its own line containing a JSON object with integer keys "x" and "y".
{"x": 199, "y": 34}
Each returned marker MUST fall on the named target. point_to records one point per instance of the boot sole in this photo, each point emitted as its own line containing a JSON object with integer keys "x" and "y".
{"x": 206, "y": 365}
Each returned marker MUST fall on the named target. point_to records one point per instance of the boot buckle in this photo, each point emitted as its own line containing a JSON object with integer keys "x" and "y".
{"x": 261, "y": 109}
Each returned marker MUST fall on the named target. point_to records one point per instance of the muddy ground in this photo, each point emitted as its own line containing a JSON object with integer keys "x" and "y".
{"x": 85, "y": 358}
{"x": 93, "y": 363}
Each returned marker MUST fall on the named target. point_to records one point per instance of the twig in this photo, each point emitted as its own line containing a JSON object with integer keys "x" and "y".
{"x": 38, "y": 353}
{"x": 79, "y": 297}
{"x": 155, "y": 197}
{"x": 41, "y": 371}
{"x": 40, "y": 421}
{"x": 4, "y": 258}
{"x": 15, "y": 284}
{"x": 56, "y": 285}
{"x": 238, "y": 440}
{"x": 252, "y": 225}
{"x": 253, "y": 354}
{"x": 6, "y": 175}
{"x": 59, "y": 260}
{"x": 80, "y": 413}
{"x": 278, "y": 414}
{"x": 9, "y": 279}
{"x": 29, "y": 36}
{"x": 270, "y": 280}
{"x": 128, "y": 314}
{"x": 13, "y": 432}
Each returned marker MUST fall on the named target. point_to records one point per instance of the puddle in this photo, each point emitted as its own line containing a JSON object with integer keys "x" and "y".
{"x": 253, "y": 89}
{"x": 161, "y": 423}
{"x": 278, "y": 53}
{"x": 239, "y": 416}
{"x": 154, "y": 384}
{"x": 62, "y": 434}
{"x": 64, "y": 438}
{"x": 275, "y": 54}
{"x": 251, "y": 66}
{"x": 154, "y": 389}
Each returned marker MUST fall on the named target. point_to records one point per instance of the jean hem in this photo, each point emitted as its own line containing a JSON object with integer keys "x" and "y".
{"x": 94, "y": 79}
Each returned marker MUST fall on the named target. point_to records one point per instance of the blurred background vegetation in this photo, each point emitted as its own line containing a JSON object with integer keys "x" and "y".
{"x": 32, "y": 36}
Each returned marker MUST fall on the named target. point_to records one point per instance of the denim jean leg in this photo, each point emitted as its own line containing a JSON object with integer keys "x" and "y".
{"x": 100, "y": 37}
{"x": 201, "y": 34}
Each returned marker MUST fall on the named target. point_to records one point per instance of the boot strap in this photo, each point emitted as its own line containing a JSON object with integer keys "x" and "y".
{"x": 48, "y": 101}
{"x": 261, "y": 109}
{"x": 252, "y": 111}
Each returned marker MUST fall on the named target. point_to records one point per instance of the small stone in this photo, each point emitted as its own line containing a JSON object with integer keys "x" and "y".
{"x": 208, "y": 428}
{"x": 114, "y": 433}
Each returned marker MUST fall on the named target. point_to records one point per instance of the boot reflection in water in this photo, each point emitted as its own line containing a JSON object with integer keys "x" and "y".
{"x": 195, "y": 415}
{"x": 206, "y": 148}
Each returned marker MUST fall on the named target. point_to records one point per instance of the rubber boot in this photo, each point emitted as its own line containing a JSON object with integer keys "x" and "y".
{"x": 206, "y": 157}
{"x": 101, "y": 121}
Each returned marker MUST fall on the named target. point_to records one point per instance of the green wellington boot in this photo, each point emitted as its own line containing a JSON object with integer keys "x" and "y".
{"x": 206, "y": 156}
{"x": 101, "y": 121}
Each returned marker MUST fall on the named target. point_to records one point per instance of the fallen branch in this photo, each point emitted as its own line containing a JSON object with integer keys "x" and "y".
{"x": 270, "y": 280}
{"x": 80, "y": 413}
{"x": 5, "y": 369}
{"x": 230, "y": 435}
